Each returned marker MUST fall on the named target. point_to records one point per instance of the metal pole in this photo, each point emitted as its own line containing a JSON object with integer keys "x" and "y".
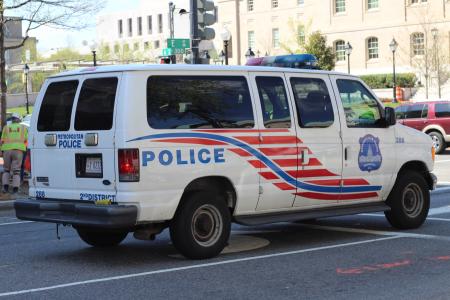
{"x": 438, "y": 66}
{"x": 94, "y": 56}
{"x": 225, "y": 46}
{"x": 173, "y": 58}
{"x": 395, "y": 81}
{"x": 194, "y": 31}
{"x": 26, "y": 93}
{"x": 348, "y": 63}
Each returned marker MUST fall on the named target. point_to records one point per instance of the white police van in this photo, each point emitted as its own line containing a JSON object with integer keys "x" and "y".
{"x": 141, "y": 148}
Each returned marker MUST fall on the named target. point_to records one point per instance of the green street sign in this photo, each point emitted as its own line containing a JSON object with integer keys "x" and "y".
{"x": 167, "y": 52}
{"x": 179, "y": 43}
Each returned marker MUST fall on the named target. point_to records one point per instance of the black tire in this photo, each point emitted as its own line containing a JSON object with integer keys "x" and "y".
{"x": 100, "y": 237}
{"x": 409, "y": 201}
{"x": 438, "y": 141}
{"x": 201, "y": 226}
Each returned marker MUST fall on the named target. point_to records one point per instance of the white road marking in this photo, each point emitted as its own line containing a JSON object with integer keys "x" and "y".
{"x": 376, "y": 232}
{"x": 439, "y": 210}
{"x": 191, "y": 267}
{"x": 442, "y": 161}
{"x": 432, "y": 219}
{"x": 443, "y": 183}
{"x": 14, "y": 223}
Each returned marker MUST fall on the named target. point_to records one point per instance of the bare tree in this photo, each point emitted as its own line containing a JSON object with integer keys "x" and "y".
{"x": 33, "y": 14}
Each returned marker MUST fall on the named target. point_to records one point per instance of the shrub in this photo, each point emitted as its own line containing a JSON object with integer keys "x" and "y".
{"x": 384, "y": 81}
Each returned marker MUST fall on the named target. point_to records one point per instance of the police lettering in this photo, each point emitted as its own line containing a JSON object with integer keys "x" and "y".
{"x": 69, "y": 144}
{"x": 184, "y": 157}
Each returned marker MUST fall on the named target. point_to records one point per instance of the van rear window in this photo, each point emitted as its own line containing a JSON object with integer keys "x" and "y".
{"x": 95, "y": 108}
{"x": 56, "y": 107}
{"x": 184, "y": 102}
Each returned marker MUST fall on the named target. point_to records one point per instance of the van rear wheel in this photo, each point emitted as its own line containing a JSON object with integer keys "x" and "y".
{"x": 201, "y": 226}
{"x": 100, "y": 237}
{"x": 409, "y": 201}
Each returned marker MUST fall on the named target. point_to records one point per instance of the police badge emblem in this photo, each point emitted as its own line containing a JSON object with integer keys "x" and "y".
{"x": 369, "y": 158}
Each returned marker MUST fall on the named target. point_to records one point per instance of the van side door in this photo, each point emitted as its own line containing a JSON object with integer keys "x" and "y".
{"x": 320, "y": 145}
{"x": 369, "y": 145}
{"x": 278, "y": 150}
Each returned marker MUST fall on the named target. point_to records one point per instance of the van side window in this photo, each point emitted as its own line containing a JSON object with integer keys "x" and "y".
{"x": 361, "y": 108}
{"x": 184, "y": 102}
{"x": 442, "y": 110}
{"x": 313, "y": 102}
{"x": 95, "y": 108}
{"x": 56, "y": 107}
{"x": 274, "y": 103}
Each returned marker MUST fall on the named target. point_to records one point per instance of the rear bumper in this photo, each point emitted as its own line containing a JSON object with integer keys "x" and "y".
{"x": 77, "y": 213}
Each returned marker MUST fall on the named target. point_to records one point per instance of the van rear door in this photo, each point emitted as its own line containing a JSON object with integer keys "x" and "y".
{"x": 73, "y": 151}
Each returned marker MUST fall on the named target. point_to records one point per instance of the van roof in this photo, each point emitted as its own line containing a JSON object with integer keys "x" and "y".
{"x": 184, "y": 67}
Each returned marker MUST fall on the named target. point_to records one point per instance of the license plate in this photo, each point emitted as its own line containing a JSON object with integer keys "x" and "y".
{"x": 94, "y": 165}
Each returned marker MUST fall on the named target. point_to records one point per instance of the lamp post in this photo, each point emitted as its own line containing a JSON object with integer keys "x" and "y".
{"x": 94, "y": 53}
{"x": 348, "y": 51}
{"x": 226, "y": 36}
{"x": 26, "y": 72}
{"x": 393, "y": 45}
{"x": 249, "y": 54}
{"x": 222, "y": 57}
{"x": 435, "y": 34}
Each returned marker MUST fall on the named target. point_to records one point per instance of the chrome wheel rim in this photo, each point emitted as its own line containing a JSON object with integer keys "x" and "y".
{"x": 436, "y": 142}
{"x": 412, "y": 200}
{"x": 206, "y": 225}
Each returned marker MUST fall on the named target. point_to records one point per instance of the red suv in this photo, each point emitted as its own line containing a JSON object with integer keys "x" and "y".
{"x": 432, "y": 117}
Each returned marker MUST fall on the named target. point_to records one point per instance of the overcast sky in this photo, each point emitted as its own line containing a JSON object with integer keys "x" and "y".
{"x": 50, "y": 38}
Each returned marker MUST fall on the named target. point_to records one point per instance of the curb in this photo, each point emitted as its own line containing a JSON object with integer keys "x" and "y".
{"x": 7, "y": 205}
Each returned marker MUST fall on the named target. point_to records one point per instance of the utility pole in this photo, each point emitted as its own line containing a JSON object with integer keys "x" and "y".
{"x": 238, "y": 31}
{"x": 3, "y": 86}
{"x": 194, "y": 31}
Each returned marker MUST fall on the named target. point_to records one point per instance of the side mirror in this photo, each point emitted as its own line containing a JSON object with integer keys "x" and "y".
{"x": 389, "y": 116}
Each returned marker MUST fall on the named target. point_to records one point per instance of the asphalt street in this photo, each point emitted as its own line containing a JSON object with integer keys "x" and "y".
{"x": 352, "y": 257}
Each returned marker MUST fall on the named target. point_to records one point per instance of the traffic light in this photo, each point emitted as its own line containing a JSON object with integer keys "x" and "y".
{"x": 205, "y": 19}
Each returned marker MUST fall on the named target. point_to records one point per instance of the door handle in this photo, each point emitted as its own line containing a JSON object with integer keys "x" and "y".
{"x": 346, "y": 149}
{"x": 305, "y": 157}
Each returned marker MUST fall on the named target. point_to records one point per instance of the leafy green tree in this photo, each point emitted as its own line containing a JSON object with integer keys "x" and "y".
{"x": 317, "y": 45}
{"x": 68, "y": 54}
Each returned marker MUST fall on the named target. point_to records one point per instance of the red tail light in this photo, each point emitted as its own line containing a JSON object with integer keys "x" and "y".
{"x": 129, "y": 165}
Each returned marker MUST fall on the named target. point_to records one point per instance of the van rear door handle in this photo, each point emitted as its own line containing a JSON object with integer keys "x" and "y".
{"x": 346, "y": 149}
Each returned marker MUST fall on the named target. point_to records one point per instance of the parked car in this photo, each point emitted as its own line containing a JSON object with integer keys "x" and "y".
{"x": 432, "y": 118}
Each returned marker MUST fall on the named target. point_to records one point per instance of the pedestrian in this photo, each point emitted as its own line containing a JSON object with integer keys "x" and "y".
{"x": 13, "y": 145}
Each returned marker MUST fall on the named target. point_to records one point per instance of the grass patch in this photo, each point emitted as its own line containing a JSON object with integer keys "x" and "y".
{"x": 21, "y": 110}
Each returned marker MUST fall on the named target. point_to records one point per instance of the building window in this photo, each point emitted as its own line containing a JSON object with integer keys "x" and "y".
{"x": 126, "y": 48}
{"x": 274, "y": 3}
{"x": 120, "y": 28}
{"x": 418, "y": 1}
{"x": 339, "y": 48}
{"x": 300, "y": 2}
{"x": 156, "y": 44}
{"x": 130, "y": 27}
{"x": 418, "y": 43}
{"x": 372, "y": 4}
{"x": 301, "y": 37}
{"x": 372, "y": 48}
{"x": 250, "y": 5}
{"x": 136, "y": 46}
{"x": 116, "y": 49}
{"x": 146, "y": 45}
{"x": 139, "y": 21}
{"x": 251, "y": 39}
{"x": 339, "y": 6}
{"x": 275, "y": 38}
{"x": 160, "y": 23}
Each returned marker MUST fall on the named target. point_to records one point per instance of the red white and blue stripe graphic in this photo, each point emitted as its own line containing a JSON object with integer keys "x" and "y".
{"x": 276, "y": 163}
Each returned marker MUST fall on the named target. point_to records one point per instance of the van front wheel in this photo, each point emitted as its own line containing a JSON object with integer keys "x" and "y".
{"x": 101, "y": 238}
{"x": 201, "y": 226}
{"x": 409, "y": 201}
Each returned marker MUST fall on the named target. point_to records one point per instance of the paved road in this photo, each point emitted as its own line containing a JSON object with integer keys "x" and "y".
{"x": 355, "y": 257}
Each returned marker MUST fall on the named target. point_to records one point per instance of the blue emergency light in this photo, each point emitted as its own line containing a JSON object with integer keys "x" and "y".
{"x": 296, "y": 61}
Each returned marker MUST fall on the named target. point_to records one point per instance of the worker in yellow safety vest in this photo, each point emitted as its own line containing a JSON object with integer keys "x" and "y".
{"x": 13, "y": 145}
